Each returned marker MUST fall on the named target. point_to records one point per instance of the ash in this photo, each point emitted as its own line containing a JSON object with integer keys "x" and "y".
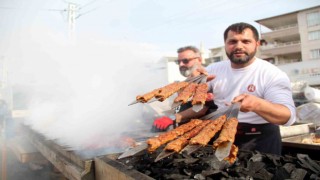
{"x": 203, "y": 165}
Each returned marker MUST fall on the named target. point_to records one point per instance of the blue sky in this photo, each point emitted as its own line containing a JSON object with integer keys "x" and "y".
{"x": 166, "y": 24}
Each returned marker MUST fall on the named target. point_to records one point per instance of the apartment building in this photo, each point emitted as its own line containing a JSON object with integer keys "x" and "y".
{"x": 293, "y": 44}
{"x": 294, "y": 37}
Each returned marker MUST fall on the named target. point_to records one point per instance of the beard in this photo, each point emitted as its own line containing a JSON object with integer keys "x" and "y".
{"x": 242, "y": 60}
{"x": 185, "y": 71}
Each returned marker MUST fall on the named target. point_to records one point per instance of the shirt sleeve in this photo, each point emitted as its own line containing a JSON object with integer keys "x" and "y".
{"x": 279, "y": 92}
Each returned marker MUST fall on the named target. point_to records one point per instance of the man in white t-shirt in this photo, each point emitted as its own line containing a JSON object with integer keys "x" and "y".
{"x": 263, "y": 90}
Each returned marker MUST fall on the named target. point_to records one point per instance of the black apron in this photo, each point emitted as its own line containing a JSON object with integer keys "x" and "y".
{"x": 265, "y": 138}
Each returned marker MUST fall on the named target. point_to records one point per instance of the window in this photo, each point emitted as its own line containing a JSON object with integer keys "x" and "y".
{"x": 217, "y": 59}
{"x": 313, "y": 35}
{"x": 313, "y": 19}
{"x": 315, "y": 53}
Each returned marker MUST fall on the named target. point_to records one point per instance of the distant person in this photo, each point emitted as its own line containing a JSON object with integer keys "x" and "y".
{"x": 262, "y": 88}
{"x": 189, "y": 59}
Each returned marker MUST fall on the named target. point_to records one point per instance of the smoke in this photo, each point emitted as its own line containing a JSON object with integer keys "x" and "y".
{"x": 79, "y": 92}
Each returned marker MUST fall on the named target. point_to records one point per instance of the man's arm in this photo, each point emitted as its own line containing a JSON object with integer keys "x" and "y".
{"x": 273, "y": 113}
{"x": 190, "y": 114}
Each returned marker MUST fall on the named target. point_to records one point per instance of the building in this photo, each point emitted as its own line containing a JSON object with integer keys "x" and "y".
{"x": 294, "y": 36}
{"x": 293, "y": 44}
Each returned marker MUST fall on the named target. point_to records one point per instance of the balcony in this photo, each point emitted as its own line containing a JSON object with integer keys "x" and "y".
{"x": 280, "y": 48}
{"x": 282, "y": 33}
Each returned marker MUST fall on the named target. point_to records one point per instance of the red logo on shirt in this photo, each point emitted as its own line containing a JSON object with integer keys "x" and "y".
{"x": 251, "y": 88}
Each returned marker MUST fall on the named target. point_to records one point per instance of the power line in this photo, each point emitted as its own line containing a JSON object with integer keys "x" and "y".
{"x": 42, "y": 9}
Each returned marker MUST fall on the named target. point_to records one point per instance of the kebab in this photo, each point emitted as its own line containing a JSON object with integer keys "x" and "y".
{"x": 208, "y": 132}
{"x": 200, "y": 95}
{"x": 154, "y": 143}
{"x": 162, "y": 93}
{"x": 182, "y": 141}
{"x": 233, "y": 154}
{"x": 228, "y": 133}
{"x": 170, "y": 89}
{"x": 186, "y": 93}
{"x": 146, "y": 97}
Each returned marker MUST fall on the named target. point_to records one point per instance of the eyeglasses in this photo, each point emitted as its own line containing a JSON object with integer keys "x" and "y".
{"x": 185, "y": 60}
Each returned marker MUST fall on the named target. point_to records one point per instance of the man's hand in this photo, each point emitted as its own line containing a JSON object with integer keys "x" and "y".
{"x": 202, "y": 70}
{"x": 248, "y": 102}
{"x": 273, "y": 113}
{"x": 161, "y": 124}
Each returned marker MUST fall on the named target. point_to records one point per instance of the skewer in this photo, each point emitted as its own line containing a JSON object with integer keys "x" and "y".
{"x": 134, "y": 150}
{"x": 223, "y": 149}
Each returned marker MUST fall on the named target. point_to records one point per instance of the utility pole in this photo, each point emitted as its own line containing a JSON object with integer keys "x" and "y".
{"x": 71, "y": 20}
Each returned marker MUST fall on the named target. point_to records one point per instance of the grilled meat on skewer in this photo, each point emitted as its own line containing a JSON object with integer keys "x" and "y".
{"x": 228, "y": 132}
{"x": 200, "y": 95}
{"x": 146, "y": 97}
{"x": 233, "y": 154}
{"x": 209, "y": 131}
{"x": 178, "y": 144}
{"x": 156, "y": 142}
{"x": 186, "y": 93}
{"x": 170, "y": 89}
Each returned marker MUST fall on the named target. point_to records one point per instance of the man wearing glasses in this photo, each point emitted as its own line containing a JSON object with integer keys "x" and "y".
{"x": 189, "y": 59}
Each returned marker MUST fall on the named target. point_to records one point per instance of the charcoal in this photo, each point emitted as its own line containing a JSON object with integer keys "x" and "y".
{"x": 215, "y": 164}
{"x": 257, "y": 157}
{"x": 187, "y": 161}
{"x": 280, "y": 174}
{"x": 298, "y": 174}
{"x": 308, "y": 163}
{"x": 263, "y": 174}
{"x": 289, "y": 167}
{"x": 274, "y": 159}
{"x": 199, "y": 177}
{"x": 202, "y": 164}
{"x": 211, "y": 172}
{"x": 314, "y": 177}
{"x": 176, "y": 176}
{"x": 255, "y": 166}
{"x": 215, "y": 174}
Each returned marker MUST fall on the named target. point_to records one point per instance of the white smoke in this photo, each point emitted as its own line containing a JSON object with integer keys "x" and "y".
{"x": 80, "y": 91}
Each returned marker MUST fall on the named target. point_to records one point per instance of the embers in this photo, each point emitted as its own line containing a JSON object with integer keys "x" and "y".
{"x": 204, "y": 165}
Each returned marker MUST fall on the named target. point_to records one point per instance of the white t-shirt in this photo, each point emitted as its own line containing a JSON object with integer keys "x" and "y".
{"x": 261, "y": 79}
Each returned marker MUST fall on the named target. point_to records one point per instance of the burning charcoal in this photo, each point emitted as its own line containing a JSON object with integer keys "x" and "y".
{"x": 298, "y": 174}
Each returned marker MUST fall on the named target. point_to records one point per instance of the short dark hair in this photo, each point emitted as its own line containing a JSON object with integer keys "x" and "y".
{"x": 239, "y": 28}
{"x": 191, "y": 48}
